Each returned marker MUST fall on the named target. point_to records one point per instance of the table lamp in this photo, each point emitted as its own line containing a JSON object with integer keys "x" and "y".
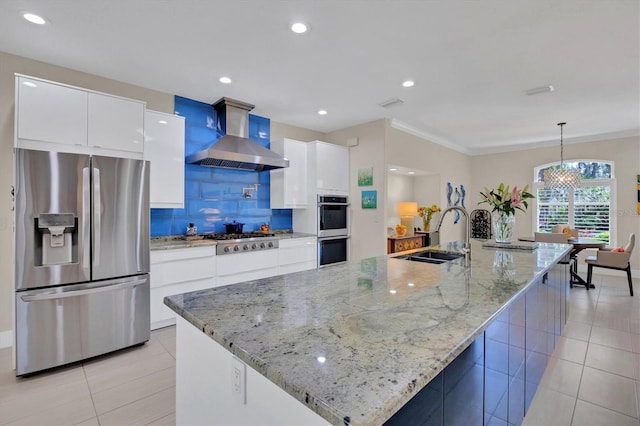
{"x": 407, "y": 210}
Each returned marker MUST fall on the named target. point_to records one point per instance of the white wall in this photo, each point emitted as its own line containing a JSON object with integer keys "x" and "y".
{"x": 399, "y": 188}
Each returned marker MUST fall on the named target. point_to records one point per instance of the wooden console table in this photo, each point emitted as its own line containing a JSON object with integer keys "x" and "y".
{"x": 397, "y": 244}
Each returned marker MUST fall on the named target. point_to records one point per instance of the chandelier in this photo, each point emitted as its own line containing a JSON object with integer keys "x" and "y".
{"x": 564, "y": 177}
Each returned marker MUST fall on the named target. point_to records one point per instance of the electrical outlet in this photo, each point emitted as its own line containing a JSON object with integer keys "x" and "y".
{"x": 239, "y": 380}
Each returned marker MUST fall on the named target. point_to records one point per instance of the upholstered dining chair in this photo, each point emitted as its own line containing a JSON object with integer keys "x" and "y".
{"x": 551, "y": 237}
{"x": 609, "y": 259}
{"x": 564, "y": 228}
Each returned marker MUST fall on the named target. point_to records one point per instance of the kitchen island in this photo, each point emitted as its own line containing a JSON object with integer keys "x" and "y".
{"x": 373, "y": 341}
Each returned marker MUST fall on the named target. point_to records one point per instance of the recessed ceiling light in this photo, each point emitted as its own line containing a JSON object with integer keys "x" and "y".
{"x": 163, "y": 121}
{"x": 34, "y": 19}
{"x": 411, "y": 173}
{"x": 29, "y": 84}
{"x": 393, "y": 170}
{"x": 225, "y": 80}
{"x": 299, "y": 28}
{"x": 322, "y": 112}
{"x": 408, "y": 83}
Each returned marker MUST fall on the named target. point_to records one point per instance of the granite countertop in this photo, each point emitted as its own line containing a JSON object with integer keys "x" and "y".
{"x": 355, "y": 341}
{"x": 168, "y": 242}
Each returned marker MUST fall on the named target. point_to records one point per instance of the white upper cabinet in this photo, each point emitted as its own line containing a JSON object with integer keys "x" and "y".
{"x": 52, "y": 116}
{"x": 164, "y": 148}
{"x": 50, "y": 112}
{"x": 289, "y": 185}
{"x": 331, "y": 164}
{"x": 115, "y": 123}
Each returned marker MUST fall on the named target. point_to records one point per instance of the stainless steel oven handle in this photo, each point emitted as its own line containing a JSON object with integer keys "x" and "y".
{"x": 339, "y": 237}
{"x": 333, "y": 204}
{"x": 75, "y": 293}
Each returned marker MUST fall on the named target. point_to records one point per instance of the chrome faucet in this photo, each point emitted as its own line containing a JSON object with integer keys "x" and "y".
{"x": 466, "y": 248}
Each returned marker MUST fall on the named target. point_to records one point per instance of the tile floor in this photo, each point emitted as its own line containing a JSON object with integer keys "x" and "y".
{"x": 133, "y": 387}
{"x": 593, "y": 377}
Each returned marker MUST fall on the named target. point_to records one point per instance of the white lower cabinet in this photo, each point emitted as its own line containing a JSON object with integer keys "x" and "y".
{"x": 179, "y": 271}
{"x": 297, "y": 254}
{"x": 240, "y": 267}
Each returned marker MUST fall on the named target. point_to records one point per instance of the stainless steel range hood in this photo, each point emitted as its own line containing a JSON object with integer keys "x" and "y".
{"x": 235, "y": 150}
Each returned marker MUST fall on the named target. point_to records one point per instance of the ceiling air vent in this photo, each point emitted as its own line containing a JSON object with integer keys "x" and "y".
{"x": 391, "y": 102}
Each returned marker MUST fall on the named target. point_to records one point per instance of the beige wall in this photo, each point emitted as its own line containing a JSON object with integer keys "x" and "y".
{"x": 516, "y": 168}
{"x": 10, "y": 64}
{"x": 282, "y": 131}
{"x": 380, "y": 145}
{"x": 443, "y": 164}
{"x": 368, "y": 226}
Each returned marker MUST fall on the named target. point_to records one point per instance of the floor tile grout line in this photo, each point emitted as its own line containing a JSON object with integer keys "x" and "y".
{"x": 138, "y": 400}
{"x": 95, "y": 411}
{"x": 140, "y": 377}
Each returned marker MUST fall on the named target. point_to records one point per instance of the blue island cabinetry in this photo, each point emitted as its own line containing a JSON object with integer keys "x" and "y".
{"x": 495, "y": 379}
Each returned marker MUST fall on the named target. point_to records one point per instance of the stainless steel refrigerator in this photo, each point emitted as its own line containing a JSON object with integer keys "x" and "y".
{"x": 81, "y": 257}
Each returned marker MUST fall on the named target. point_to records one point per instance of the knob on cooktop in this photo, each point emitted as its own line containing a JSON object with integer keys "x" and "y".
{"x": 254, "y": 246}
{"x": 236, "y": 248}
{"x": 227, "y": 249}
{"x": 262, "y": 245}
{"x": 245, "y": 247}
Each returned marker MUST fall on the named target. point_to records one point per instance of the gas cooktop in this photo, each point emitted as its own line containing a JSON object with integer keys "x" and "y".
{"x": 245, "y": 242}
{"x": 244, "y": 235}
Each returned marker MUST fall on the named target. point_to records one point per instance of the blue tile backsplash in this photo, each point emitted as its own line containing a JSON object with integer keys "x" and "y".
{"x": 215, "y": 196}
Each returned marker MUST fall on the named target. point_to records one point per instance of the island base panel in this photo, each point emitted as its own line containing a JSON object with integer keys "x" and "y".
{"x": 203, "y": 388}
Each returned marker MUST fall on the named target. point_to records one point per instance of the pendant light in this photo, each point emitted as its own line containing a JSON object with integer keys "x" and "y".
{"x": 564, "y": 177}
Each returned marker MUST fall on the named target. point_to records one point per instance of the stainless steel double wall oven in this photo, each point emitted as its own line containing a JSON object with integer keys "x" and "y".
{"x": 333, "y": 229}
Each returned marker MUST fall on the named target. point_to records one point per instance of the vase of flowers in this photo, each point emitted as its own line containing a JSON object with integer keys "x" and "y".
{"x": 426, "y": 213}
{"x": 504, "y": 202}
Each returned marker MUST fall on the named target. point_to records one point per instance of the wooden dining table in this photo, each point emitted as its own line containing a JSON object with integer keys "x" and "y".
{"x": 578, "y": 244}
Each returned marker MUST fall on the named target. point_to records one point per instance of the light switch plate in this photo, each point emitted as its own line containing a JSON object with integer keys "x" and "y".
{"x": 239, "y": 380}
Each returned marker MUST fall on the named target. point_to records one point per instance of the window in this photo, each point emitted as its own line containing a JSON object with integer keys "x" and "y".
{"x": 586, "y": 208}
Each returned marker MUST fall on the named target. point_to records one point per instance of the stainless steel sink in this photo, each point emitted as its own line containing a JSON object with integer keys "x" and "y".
{"x": 432, "y": 257}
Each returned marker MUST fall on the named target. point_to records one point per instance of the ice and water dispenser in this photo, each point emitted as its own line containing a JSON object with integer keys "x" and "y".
{"x": 56, "y": 239}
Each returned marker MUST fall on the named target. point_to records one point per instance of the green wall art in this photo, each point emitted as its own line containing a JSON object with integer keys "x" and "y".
{"x": 365, "y": 176}
{"x": 369, "y": 199}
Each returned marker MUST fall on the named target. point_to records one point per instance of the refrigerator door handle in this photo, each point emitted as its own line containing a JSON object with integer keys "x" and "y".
{"x": 75, "y": 293}
{"x": 86, "y": 219}
{"x": 97, "y": 212}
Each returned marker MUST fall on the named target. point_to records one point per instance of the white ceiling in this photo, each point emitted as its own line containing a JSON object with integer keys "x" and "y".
{"x": 472, "y": 61}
